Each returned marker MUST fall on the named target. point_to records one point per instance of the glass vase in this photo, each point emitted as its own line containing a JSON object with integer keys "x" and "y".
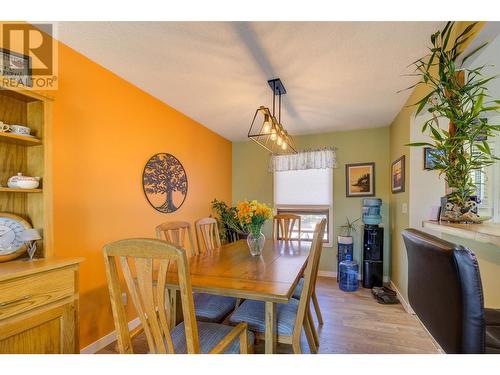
{"x": 256, "y": 242}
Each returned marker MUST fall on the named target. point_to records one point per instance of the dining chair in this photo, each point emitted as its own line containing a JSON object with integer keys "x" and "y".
{"x": 150, "y": 298}
{"x": 314, "y": 298}
{"x": 232, "y": 236}
{"x": 283, "y": 225}
{"x": 294, "y": 315}
{"x": 175, "y": 232}
{"x": 207, "y": 234}
{"x": 446, "y": 293}
{"x": 208, "y": 307}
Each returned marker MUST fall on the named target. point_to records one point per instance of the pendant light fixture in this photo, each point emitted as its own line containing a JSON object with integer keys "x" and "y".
{"x": 267, "y": 130}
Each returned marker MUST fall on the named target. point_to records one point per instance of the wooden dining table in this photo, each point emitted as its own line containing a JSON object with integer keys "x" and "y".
{"x": 231, "y": 270}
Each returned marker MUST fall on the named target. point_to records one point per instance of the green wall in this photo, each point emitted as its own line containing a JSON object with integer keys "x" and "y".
{"x": 399, "y": 138}
{"x": 251, "y": 179}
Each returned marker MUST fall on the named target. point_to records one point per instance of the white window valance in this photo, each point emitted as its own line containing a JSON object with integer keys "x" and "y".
{"x": 310, "y": 159}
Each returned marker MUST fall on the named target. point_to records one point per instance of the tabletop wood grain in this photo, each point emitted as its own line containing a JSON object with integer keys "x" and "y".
{"x": 230, "y": 270}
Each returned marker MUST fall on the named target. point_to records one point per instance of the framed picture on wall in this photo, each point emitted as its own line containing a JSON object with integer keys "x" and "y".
{"x": 398, "y": 175}
{"x": 430, "y": 158}
{"x": 360, "y": 180}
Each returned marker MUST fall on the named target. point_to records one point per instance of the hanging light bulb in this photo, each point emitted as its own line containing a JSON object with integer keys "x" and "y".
{"x": 273, "y": 134}
{"x": 283, "y": 146}
{"x": 267, "y": 124}
{"x": 279, "y": 140}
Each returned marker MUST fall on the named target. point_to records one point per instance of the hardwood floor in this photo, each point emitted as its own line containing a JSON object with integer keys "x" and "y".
{"x": 353, "y": 323}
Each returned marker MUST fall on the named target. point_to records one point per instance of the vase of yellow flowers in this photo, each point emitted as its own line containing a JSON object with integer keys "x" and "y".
{"x": 252, "y": 216}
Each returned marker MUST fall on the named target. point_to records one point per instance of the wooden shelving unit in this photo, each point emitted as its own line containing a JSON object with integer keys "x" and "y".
{"x": 14, "y": 190}
{"x": 30, "y": 156}
{"x": 19, "y": 139}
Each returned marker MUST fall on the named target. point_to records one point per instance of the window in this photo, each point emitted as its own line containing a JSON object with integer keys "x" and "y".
{"x": 307, "y": 193}
{"x": 308, "y": 220}
{"x": 483, "y": 181}
{"x": 487, "y": 182}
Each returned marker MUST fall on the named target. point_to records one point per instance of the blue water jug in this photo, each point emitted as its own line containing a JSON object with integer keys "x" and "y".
{"x": 348, "y": 274}
{"x": 371, "y": 211}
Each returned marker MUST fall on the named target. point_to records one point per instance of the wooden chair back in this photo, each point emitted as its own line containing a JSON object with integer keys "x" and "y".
{"x": 310, "y": 275}
{"x": 175, "y": 233}
{"x": 283, "y": 225}
{"x": 207, "y": 234}
{"x": 232, "y": 236}
{"x": 137, "y": 256}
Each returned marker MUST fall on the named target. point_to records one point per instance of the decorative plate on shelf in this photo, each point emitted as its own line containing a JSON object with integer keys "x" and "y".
{"x": 11, "y": 229}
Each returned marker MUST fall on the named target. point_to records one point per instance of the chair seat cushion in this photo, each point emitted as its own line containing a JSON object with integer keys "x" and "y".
{"x": 211, "y": 308}
{"x": 492, "y": 318}
{"x": 298, "y": 289}
{"x": 210, "y": 334}
{"x": 253, "y": 313}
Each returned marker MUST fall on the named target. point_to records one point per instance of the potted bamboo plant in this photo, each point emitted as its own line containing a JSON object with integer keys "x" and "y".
{"x": 458, "y": 94}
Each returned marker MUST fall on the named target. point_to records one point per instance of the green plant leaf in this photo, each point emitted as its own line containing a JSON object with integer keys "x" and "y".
{"x": 446, "y": 33}
{"x": 409, "y": 87}
{"x": 422, "y": 102}
{"x": 433, "y": 37}
{"x": 478, "y": 105}
{"x": 490, "y": 108}
{"x": 419, "y": 144}
{"x": 435, "y": 133}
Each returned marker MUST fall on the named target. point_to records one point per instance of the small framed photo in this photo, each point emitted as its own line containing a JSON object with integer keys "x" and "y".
{"x": 429, "y": 158}
{"x": 398, "y": 175}
{"x": 360, "y": 180}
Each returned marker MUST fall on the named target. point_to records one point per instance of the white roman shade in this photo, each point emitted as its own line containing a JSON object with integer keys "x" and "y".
{"x": 304, "y": 178}
{"x": 303, "y": 187}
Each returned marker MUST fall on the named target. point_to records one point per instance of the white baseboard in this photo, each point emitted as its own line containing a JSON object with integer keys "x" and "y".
{"x": 403, "y": 301}
{"x": 108, "y": 339}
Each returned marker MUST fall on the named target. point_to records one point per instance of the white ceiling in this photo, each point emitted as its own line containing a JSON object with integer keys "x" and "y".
{"x": 339, "y": 75}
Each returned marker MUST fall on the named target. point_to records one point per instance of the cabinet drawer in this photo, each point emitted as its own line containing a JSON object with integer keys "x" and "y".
{"x": 26, "y": 293}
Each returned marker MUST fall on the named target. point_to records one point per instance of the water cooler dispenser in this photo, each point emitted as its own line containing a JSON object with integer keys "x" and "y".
{"x": 373, "y": 244}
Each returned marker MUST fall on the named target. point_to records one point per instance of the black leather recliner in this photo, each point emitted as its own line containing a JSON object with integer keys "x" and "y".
{"x": 445, "y": 291}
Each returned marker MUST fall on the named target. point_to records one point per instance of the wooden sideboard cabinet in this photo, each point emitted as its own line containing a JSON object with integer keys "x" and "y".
{"x": 39, "y": 306}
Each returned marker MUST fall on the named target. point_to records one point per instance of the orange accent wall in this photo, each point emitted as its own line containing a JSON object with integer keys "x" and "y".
{"x": 105, "y": 130}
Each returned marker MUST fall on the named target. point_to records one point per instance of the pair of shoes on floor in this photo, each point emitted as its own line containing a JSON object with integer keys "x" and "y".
{"x": 384, "y": 295}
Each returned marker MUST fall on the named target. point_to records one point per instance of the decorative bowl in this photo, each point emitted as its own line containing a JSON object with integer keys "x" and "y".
{"x": 23, "y": 182}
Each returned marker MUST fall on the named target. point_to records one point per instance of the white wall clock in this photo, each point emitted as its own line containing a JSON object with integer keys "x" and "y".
{"x": 11, "y": 229}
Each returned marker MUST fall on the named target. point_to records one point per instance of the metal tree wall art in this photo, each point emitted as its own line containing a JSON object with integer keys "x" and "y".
{"x": 165, "y": 183}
